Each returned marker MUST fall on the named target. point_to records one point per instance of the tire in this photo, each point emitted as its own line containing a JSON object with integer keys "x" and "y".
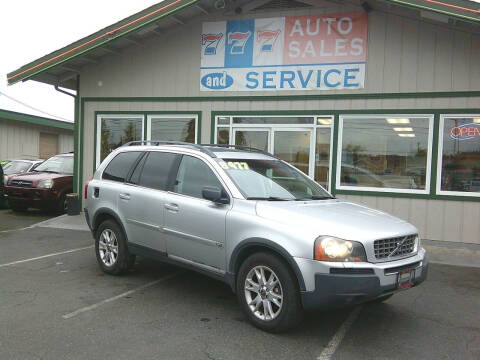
{"x": 381, "y": 299}
{"x": 279, "y": 318}
{"x": 111, "y": 263}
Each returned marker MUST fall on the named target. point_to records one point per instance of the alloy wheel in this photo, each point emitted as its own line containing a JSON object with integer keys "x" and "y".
{"x": 108, "y": 247}
{"x": 263, "y": 293}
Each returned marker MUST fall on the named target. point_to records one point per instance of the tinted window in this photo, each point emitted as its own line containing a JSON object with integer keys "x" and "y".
{"x": 157, "y": 172}
{"x": 120, "y": 166}
{"x": 135, "y": 177}
{"x": 193, "y": 175}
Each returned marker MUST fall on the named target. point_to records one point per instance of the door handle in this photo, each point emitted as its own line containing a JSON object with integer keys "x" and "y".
{"x": 124, "y": 196}
{"x": 171, "y": 207}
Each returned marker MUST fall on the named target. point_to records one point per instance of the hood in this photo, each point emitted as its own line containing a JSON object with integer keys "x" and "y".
{"x": 36, "y": 177}
{"x": 335, "y": 217}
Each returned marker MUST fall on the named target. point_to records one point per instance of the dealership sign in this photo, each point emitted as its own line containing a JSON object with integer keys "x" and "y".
{"x": 322, "y": 52}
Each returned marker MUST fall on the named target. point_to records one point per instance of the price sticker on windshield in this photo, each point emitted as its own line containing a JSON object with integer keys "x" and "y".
{"x": 234, "y": 165}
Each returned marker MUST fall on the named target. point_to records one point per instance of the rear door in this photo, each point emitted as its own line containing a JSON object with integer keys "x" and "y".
{"x": 195, "y": 227}
{"x": 142, "y": 201}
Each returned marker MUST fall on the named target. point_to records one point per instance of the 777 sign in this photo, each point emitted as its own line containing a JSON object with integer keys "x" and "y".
{"x": 267, "y": 39}
{"x": 211, "y": 41}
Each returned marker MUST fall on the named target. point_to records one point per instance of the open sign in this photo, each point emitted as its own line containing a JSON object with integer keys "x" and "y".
{"x": 465, "y": 131}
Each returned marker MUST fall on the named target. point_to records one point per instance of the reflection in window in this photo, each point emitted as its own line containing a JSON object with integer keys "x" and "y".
{"x": 117, "y": 131}
{"x": 223, "y": 136}
{"x": 385, "y": 152}
{"x": 174, "y": 129}
{"x": 460, "y": 166}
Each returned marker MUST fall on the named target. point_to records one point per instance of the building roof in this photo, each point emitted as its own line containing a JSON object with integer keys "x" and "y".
{"x": 62, "y": 66}
{"x": 37, "y": 120}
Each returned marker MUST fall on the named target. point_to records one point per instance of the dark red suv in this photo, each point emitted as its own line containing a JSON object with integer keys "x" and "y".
{"x": 44, "y": 188}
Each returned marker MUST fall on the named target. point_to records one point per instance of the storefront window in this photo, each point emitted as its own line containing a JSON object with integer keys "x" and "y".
{"x": 116, "y": 131}
{"x": 173, "y": 128}
{"x": 385, "y": 153}
{"x": 459, "y": 155}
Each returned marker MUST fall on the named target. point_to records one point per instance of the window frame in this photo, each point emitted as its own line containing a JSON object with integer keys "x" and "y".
{"x": 428, "y": 170}
{"x": 438, "y": 188}
{"x": 166, "y": 117}
{"x": 98, "y": 130}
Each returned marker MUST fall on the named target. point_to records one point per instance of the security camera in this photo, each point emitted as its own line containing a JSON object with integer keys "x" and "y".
{"x": 219, "y": 4}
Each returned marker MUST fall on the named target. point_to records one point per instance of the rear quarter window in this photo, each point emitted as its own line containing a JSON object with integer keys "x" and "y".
{"x": 119, "y": 167}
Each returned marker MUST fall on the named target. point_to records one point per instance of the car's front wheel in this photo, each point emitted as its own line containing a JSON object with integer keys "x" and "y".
{"x": 268, "y": 293}
{"x": 111, "y": 249}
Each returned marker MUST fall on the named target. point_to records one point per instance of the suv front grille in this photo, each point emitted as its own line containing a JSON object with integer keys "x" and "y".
{"x": 386, "y": 247}
{"x": 21, "y": 183}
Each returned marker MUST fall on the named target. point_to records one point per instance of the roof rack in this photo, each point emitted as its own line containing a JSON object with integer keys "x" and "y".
{"x": 241, "y": 147}
{"x": 198, "y": 147}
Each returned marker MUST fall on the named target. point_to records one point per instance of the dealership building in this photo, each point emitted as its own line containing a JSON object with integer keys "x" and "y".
{"x": 379, "y": 101}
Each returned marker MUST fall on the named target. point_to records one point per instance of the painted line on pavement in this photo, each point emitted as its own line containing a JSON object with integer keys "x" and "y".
{"x": 103, "y": 302}
{"x": 45, "y": 256}
{"x": 335, "y": 341}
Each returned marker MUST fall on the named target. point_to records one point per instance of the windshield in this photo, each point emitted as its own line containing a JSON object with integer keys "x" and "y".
{"x": 58, "y": 165}
{"x": 271, "y": 180}
{"x": 16, "y": 167}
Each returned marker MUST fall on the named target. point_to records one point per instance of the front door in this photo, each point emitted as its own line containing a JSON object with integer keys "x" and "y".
{"x": 194, "y": 226}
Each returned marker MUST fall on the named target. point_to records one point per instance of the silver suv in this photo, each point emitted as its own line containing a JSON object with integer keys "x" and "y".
{"x": 243, "y": 216}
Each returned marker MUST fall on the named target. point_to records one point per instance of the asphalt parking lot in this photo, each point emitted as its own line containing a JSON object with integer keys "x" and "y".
{"x": 10, "y": 220}
{"x": 55, "y": 303}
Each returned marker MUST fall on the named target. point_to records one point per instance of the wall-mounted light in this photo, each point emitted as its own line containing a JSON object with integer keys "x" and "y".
{"x": 406, "y": 135}
{"x": 403, "y": 129}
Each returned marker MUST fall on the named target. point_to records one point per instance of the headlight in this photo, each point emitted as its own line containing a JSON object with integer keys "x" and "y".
{"x": 329, "y": 248}
{"x": 45, "y": 184}
{"x": 5, "y": 180}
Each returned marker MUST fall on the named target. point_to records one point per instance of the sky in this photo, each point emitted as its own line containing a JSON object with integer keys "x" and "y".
{"x": 30, "y": 29}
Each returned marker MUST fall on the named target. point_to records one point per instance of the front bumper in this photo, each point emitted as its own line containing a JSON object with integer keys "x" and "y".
{"x": 350, "y": 284}
{"x": 31, "y": 197}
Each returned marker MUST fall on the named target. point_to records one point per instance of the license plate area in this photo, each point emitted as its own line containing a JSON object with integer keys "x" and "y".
{"x": 405, "y": 279}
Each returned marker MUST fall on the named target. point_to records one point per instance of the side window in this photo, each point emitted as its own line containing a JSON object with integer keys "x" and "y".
{"x": 157, "y": 171}
{"x": 193, "y": 174}
{"x": 135, "y": 177}
{"x": 119, "y": 167}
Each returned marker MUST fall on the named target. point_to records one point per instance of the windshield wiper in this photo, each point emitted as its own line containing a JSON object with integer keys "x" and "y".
{"x": 316, "y": 197}
{"x": 269, "y": 198}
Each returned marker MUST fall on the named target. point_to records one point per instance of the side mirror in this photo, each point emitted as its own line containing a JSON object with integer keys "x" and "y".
{"x": 215, "y": 194}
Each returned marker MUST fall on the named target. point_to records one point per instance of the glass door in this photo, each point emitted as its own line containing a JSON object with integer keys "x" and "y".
{"x": 295, "y": 147}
